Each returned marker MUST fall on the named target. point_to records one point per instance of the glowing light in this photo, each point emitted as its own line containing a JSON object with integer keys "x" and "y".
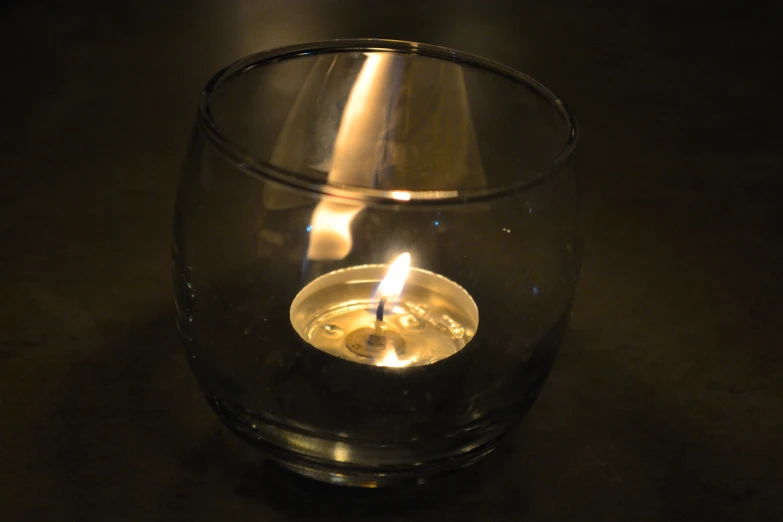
{"x": 331, "y": 231}
{"x": 401, "y": 195}
{"x": 342, "y": 452}
{"x": 390, "y": 360}
{"x": 356, "y": 153}
{"x": 392, "y": 284}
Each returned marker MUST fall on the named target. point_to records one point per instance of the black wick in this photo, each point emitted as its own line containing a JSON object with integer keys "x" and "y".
{"x": 379, "y": 311}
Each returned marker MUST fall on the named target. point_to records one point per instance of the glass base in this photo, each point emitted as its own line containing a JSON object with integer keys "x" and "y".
{"x": 349, "y": 463}
{"x": 367, "y": 456}
{"x": 381, "y": 478}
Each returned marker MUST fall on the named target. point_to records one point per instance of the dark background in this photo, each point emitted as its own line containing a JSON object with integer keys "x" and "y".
{"x": 666, "y": 402}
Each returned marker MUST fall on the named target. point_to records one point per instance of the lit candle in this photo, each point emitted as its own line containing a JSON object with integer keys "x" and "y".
{"x": 382, "y": 315}
{"x": 385, "y": 315}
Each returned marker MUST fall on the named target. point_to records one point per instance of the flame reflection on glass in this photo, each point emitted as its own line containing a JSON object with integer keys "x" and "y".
{"x": 358, "y": 151}
{"x": 330, "y": 232}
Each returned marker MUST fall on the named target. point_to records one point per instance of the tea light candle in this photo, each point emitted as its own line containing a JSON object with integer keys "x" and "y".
{"x": 381, "y": 315}
{"x": 385, "y": 315}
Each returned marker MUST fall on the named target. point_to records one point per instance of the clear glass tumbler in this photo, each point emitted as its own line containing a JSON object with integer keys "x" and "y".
{"x": 376, "y": 250}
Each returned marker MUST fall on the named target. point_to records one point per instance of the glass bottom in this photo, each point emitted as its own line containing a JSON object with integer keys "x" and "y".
{"x": 302, "y": 408}
{"x": 350, "y": 463}
{"x": 369, "y": 478}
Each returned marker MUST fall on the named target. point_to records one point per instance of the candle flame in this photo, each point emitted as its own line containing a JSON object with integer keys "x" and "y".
{"x": 391, "y": 286}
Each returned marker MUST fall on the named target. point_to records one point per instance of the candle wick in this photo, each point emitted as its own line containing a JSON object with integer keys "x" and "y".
{"x": 379, "y": 311}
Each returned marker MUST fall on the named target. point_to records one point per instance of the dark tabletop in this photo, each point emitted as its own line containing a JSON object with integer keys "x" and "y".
{"x": 666, "y": 402}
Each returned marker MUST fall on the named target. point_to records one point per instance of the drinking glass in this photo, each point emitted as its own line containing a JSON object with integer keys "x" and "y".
{"x": 376, "y": 251}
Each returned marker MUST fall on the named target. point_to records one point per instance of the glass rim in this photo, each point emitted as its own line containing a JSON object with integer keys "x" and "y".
{"x": 258, "y": 167}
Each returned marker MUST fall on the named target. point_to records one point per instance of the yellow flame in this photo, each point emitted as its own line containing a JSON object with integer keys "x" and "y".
{"x": 390, "y": 289}
{"x": 391, "y": 286}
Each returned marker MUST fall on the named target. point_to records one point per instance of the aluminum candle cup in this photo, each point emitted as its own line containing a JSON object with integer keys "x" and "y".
{"x": 432, "y": 319}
